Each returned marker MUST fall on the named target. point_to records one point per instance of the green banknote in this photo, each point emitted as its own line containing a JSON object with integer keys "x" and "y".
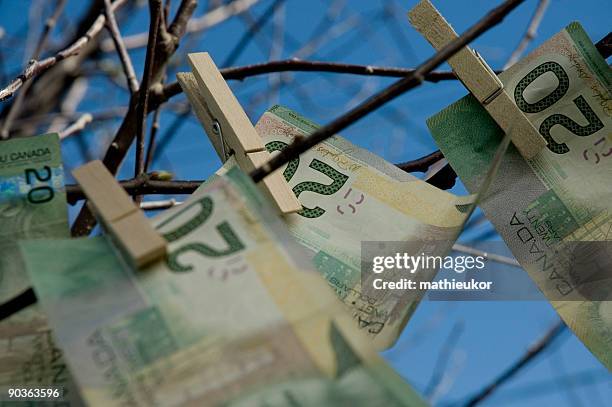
{"x": 32, "y": 202}
{"x": 553, "y": 211}
{"x": 352, "y": 196}
{"x": 233, "y": 316}
{"x": 32, "y": 205}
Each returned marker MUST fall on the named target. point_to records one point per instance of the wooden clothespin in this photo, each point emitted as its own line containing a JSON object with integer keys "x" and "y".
{"x": 125, "y": 222}
{"x": 479, "y": 79}
{"x": 229, "y": 129}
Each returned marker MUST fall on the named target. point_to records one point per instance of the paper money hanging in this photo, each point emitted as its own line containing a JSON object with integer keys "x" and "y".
{"x": 352, "y": 196}
{"x": 553, "y": 211}
{"x": 32, "y": 206}
{"x": 233, "y": 317}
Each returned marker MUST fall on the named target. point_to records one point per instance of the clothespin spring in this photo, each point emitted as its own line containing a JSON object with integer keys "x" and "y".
{"x": 216, "y": 128}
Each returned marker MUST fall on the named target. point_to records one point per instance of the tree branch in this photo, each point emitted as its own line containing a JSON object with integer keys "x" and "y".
{"x": 77, "y": 126}
{"x": 411, "y": 81}
{"x": 604, "y": 46}
{"x": 16, "y": 106}
{"x": 421, "y": 164}
{"x": 296, "y": 65}
{"x": 155, "y": 11}
{"x": 126, "y": 62}
{"x": 167, "y": 44}
{"x": 533, "y": 351}
{"x": 208, "y": 20}
{"x": 530, "y": 34}
{"x": 36, "y": 67}
{"x": 141, "y": 185}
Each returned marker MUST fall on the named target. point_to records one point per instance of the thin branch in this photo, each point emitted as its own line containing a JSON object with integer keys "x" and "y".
{"x": 69, "y": 105}
{"x": 533, "y": 351}
{"x": 142, "y": 185}
{"x": 411, "y": 81}
{"x": 155, "y": 10}
{"x": 171, "y": 131}
{"x": 510, "y": 261}
{"x": 530, "y": 34}
{"x": 181, "y": 22}
{"x": 421, "y": 164}
{"x": 157, "y": 205}
{"x": 36, "y": 67}
{"x": 165, "y": 48}
{"x": 208, "y": 20}
{"x": 443, "y": 179}
{"x": 442, "y": 361}
{"x": 49, "y": 25}
{"x": 126, "y": 62}
{"x": 16, "y": 106}
{"x": 152, "y": 139}
{"x": 276, "y": 50}
{"x": 249, "y": 34}
{"x": 604, "y": 46}
{"x": 77, "y": 126}
{"x": 296, "y": 65}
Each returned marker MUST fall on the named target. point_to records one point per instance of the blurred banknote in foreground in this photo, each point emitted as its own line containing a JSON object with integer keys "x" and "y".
{"x": 233, "y": 317}
{"x": 352, "y": 196}
{"x": 553, "y": 211}
{"x": 32, "y": 205}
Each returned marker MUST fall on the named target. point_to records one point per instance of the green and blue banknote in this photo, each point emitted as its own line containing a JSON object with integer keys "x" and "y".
{"x": 553, "y": 211}
{"x": 350, "y": 196}
{"x": 32, "y": 206}
{"x": 235, "y": 315}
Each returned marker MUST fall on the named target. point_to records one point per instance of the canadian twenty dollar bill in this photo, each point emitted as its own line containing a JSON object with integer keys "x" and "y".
{"x": 32, "y": 205}
{"x": 553, "y": 211}
{"x": 232, "y": 317}
{"x": 351, "y": 196}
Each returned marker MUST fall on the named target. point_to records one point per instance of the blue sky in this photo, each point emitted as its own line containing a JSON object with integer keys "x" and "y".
{"x": 489, "y": 336}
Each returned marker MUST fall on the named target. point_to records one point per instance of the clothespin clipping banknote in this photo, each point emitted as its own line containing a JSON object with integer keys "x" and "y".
{"x": 123, "y": 220}
{"x": 479, "y": 79}
{"x": 229, "y": 129}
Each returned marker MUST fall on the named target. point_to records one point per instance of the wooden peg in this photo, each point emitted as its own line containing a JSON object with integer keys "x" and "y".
{"x": 123, "y": 220}
{"x": 229, "y": 129}
{"x": 222, "y": 106}
{"x": 479, "y": 79}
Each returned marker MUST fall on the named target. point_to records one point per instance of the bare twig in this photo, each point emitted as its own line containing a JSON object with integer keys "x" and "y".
{"x": 443, "y": 359}
{"x": 421, "y": 164}
{"x": 157, "y": 205}
{"x": 166, "y": 45}
{"x": 604, "y": 46}
{"x": 155, "y": 10}
{"x": 126, "y": 62}
{"x": 49, "y": 25}
{"x": 69, "y": 105}
{"x": 443, "y": 179}
{"x": 144, "y": 185}
{"x": 250, "y": 33}
{"x": 16, "y": 106}
{"x": 152, "y": 139}
{"x": 296, "y": 65}
{"x": 276, "y": 50}
{"x": 208, "y": 20}
{"x": 36, "y": 67}
{"x": 77, "y": 126}
{"x": 488, "y": 256}
{"x": 533, "y": 351}
{"x": 411, "y": 81}
{"x": 141, "y": 185}
{"x": 169, "y": 134}
{"x": 530, "y": 34}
